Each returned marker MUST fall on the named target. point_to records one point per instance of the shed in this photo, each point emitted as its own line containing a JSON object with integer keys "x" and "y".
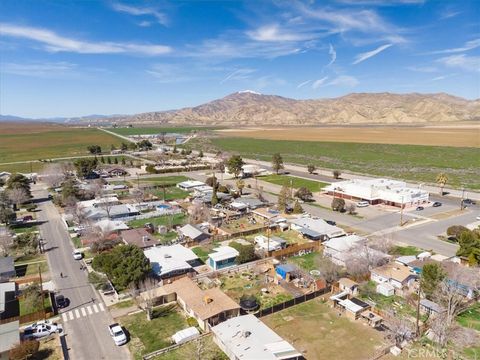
{"x": 385, "y": 289}
{"x": 7, "y": 268}
{"x": 185, "y": 335}
{"x": 283, "y": 270}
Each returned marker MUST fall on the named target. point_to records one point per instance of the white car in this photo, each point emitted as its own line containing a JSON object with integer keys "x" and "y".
{"x": 117, "y": 334}
{"x": 478, "y": 217}
{"x": 362, "y": 204}
{"x": 77, "y": 255}
{"x": 40, "y": 330}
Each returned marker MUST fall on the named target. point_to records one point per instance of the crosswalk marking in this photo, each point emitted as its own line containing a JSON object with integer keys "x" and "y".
{"x": 89, "y": 309}
{"x": 95, "y": 308}
{"x": 64, "y": 316}
{"x": 70, "y": 315}
{"x": 101, "y": 307}
{"x": 84, "y": 313}
{"x": 77, "y": 313}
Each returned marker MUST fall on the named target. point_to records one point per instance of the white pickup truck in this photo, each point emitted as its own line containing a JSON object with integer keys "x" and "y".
{"x": 117, "y": 334}
{"x": 40, "y": 329}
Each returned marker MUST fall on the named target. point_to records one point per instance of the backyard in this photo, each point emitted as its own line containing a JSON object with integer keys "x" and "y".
{"x": 210, "y": 351}
{"x": 163, "y": 180}
{"x": 242, "y": 224}
{"x": 166, "y": 220}
{"x": 249, "y": 284}
{"x": 317, "y": 331}
{"x": 306, "y": 262}
{"x": 470, "y": 318}
{"x": 147, "y": 336}
{"x": 169, "y": 193}
{"x": 293, "y": 181}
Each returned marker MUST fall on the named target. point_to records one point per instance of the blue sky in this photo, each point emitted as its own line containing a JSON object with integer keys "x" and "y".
{"x": 71, "y": 58}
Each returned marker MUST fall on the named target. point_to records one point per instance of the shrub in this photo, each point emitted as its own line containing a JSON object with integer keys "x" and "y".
{"x": 338, "y": 204}
{"x": 24, "y": 350}
{"x": 191, "y": 321}
{"x": 456, "y": 230}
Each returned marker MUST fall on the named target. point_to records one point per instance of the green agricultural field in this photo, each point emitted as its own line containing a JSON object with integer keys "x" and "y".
{"x": 295, "y": 182}
{"x": 409, "y": 162}
{"x": 158, "y": 130}
{"x": 45, "y": 144}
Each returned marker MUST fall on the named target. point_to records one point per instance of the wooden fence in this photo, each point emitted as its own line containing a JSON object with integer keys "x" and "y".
{"x": 232, "y": 269}
{"x": 27, "y": 318}
{"x": 170, "y": 348}
{"x": 238, "y": 234}
{"x": 296, "y": 249}
{"x": 295, "y": 301}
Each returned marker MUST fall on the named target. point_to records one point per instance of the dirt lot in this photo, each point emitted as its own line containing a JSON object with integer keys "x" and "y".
{"x": 317, "y": 331}
{"x": 461, "y": 136}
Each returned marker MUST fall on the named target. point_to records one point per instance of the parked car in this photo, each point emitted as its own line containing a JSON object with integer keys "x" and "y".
{"x": 40, "y": 331}
{"x": 469, "y": 202}
{"x": 38, "y": 323}
{"x": 28, "y": 218}
{"x": 478, "y": 217}
{"x": 61, "y": 301}
{"x": 77, "y": 255}
{"x": 437, "y": 204}
{"x": 362, "y": 204}
{"x": 420, "y": 208}
{"x": 330, "y": 222}
{"x": 117, "y": 333}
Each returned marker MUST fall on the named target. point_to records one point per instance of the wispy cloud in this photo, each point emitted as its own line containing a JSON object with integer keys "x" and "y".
{"x": 469, "y": 45}
{"x": 39, "y": 69}
{"x": 239, "y": 74}
{"x": 449, "y": 13}
{"x": 160, "y": 17}
{"x": 461, "y": 61}
{"x": 344, "y": 80}
{"x": 333, "y": 55}
{"x": 317, "y": 83}
{"x": 423, "y": 69}
{"x": 169, "y": 73}
{"x": 442, "y": 77}
{"x": 302, "y": 84}
{"x": 382, "y": 2}
{"x": 53, "y": 42}
{"x": 367, "y": 55}
{"x": 274, "y": 32}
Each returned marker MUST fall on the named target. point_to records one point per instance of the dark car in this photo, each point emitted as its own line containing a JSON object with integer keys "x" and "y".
{"x": 331, "y": 222}
{"x": 437, "y": 204}
{"x": 28, "y": 218}
{"x": 420, "y": 208}
{"x": 61, "y": 301}
{"x": 469, "y": 202}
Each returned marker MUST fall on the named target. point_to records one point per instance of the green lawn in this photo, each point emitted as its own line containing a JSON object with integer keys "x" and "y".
{"x": 410, "y": 162}
{"x": 166, "y": 238}
{"x": 157, "y": 130}
{"x": 29, "y": 259}
{"x": 170, "y": 193}
{"x": 405, "y": 250}
{"x": 167, "y": 220}
{"x": 25, "y": 229}
{"x": 46, "y": 144}
{"x": 295, "y": 182}
{"x": 471, "y": 317}
{"x": 23, "y": 167}
{"x": 201, "y": 252}
{"x": 31, "y": 269}
{"x": 147, "y": 336}
{"x": 25, "y": 309}
{"x": 306, "y": 262}
{"x": 164, "y": 180}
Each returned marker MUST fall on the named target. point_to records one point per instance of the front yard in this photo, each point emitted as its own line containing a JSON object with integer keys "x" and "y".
{"x": 295, "y": 182}
{"x": 317, "y": 331}
{"x": 148, "y": 336}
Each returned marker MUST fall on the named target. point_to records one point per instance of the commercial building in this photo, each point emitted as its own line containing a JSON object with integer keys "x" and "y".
{"x": 378, "y": 191}
{"x": 246, "y": 337}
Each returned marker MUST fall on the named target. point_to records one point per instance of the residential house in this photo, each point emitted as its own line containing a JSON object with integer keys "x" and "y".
{"x": 113, "y": 212}
{"x": 222, "y": 257}
{"x": 108, "y": 226}
{"x": 348, "y": 285}
{"x": 9, "y": 337}
{"x": 190, "y": 185}
{"x": 430, "y": 307}
{"x": 247, "y": 337}
{"x": 405, "y": 260}
{"x": 192, "y": 233}
{"x": 249, "y": 203}
{"x": 316, "y": 229}
{"x": 173, "y": 260}
{"x": 7, "y": 268}
{"x": 271, "y": 243}
{"x": 396, "y": 275}
{"x": 139, "y": 237}
{"x": 337, "y": 249}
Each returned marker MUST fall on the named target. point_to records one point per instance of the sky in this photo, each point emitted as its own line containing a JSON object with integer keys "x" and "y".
{"x": 74, "y": 58}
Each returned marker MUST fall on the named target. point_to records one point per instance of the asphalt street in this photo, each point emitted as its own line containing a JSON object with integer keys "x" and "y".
{"x": 86, "y": 319}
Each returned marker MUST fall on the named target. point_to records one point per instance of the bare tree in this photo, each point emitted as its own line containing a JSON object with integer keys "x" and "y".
{"x": 451, "y": 294}
{"x": 362, "y": 258}
{"x": 54, "y": 174}
{"x": 330, "y": 271}
{"x": 17, "y": 196}
{"x": 352, "y": 209}
{"x": 400, "y": 328}
{"x": 6, "y": 241}
{"x": 148, "y": 298}
{"x": 382, "y": 243}
{"x": 198, "y": 213}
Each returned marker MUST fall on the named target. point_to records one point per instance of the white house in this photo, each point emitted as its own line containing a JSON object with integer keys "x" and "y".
{"x": 190, "y": 185}
{"x": 337, "y": 248}
{"x": 394, "y": 274}
{"x": 316, "y": 229}
{"x": 247, "y": 337}
{"x": 275, "y": 243}
{"x": 171, "y": 260}
{"x": 378, "y": 191}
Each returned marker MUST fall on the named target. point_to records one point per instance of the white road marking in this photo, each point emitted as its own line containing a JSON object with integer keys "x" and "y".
{"x": 95, "y": 308}
{"x": 89, "y": 309}
{"x": 64, "y": 317}
{"x": 84, "y": 313}
{"x": 70, "y": 315}
{"x": 101, "y": 307}
{"x": 77, "y": 313}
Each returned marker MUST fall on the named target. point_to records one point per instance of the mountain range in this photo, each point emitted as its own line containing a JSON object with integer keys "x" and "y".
{"x": 249, "y": 108}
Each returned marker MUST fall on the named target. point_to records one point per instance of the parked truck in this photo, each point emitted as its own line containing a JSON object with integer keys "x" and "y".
{"x": 117, "y": 333}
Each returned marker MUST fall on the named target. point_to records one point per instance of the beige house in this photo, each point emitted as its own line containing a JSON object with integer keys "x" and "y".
{"x": 398, "y": 276}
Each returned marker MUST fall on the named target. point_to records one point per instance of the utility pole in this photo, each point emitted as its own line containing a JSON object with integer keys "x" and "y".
{"x": 418, "y": 306}
{"x": 401, "y": 212}
{"x": 463, "y": 197}
{"x": 41, "y": 293}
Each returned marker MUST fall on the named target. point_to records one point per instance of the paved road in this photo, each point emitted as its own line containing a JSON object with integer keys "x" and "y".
{"x": 86, "y": 318}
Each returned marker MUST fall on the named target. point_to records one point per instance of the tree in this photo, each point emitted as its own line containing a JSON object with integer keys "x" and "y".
{"x": 399, "y": 327}
{"x": 240, "y": 186}
{"x": 150, "y": 168}
{"x": 26, "y": 243}
{"x": 338, "y": 204}
{"x": 351, "y": 209}
{"x": 246, "y": 252}
{"x": 304, "y": 194}
{"x": 175, "y": 150}
{"x": 124, "y": 146}
{"x": 19, "y": 181}
{"x": 123, "y": 265}
{"x": 235, "y": 164}
{"x": 330, "y": 271}
{"x": 109, "y": 161}
{"x": 456, "y": 230}
{"x": 145, "y": 145}
{"x": 336, "y": 174}
{"x": 311, "y": 168}
{"x": 277, "y": 162}
{"x": 212, "y": 181}
{"x": 115, "y": 161}
{"x": 469, "y": 242}
{"x": 94, "y": 149}
{"x": 283, "y": 198}
{"x": 132, "y": 146}
{"x": 200, "y": 154}
{"x": 53, "y": 175}
{"x": 24, "y": 350}
{"x": 17, "y": 196}
{"x": 297, "y": 208}
{"x": 6, "y": 242}
{"x": 442, "y": 180}
{"x": 85, "y": 167}
{"x": 113, "y": 147}
{"x": 432, "y": 275}
{"x": 33, "y": 297}
{"x": 146, "y": 286}
{"x": 102, "y": 159}
{"x": 198, "y": 213}
{"x": 123, "y": 161}
{"x": 6, "y": 212}
{"x": 214, "y": 197}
